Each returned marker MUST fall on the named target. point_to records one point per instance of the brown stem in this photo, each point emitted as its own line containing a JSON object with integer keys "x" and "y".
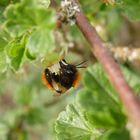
{"x": 104, "y": 56}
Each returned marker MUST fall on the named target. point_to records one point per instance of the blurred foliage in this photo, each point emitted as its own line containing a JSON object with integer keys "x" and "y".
{"x": 29, "y": 38}
{"x": 98, "y": 112}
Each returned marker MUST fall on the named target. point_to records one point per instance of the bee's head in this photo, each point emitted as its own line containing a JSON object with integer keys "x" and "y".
{"x": 67, "y": 68}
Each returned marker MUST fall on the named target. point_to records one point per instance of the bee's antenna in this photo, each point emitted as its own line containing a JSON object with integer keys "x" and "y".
{"x": 81, "y": 67}
{"x": 81, "y": 63}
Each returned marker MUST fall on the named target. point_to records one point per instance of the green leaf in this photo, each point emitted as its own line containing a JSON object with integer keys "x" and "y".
{"x": 3, "y": 43}
{"x": 71, "y": 125}
{"x": 133, "y": 78}
{"x": 3, "y": 56}
{"x": 3, "y": 62}
{"x": 40, "y": 43}
{"x": 115, "y": 135}
{"x": 98, "y": 76}
{"x": 29, "y": 55}
{"x": 2, "y": 19}
{"x": 34, "y": 17}
{"x": 29, "y": 14}
{"x": 99, "y": 110}
{"x": 45, "y": 3}
{"x": 6, "y": 2}
{"x": 100, "y": 101}
{"x": 16, "y": 50}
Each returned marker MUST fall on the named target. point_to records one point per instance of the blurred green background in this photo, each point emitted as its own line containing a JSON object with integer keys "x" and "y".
{"x": 30, "y": 41}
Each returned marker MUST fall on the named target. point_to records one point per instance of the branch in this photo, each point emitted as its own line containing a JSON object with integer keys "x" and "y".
{"x": 113, "y": 70}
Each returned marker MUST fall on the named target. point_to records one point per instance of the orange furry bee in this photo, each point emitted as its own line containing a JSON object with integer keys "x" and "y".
{"x": 62, "y": 76}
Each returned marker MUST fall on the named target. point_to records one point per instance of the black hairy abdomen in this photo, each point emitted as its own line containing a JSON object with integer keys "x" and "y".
{"x": 67, "y": 79}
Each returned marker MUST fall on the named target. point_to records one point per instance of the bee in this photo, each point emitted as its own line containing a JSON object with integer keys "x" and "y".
{"x": 61, "y": 76}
